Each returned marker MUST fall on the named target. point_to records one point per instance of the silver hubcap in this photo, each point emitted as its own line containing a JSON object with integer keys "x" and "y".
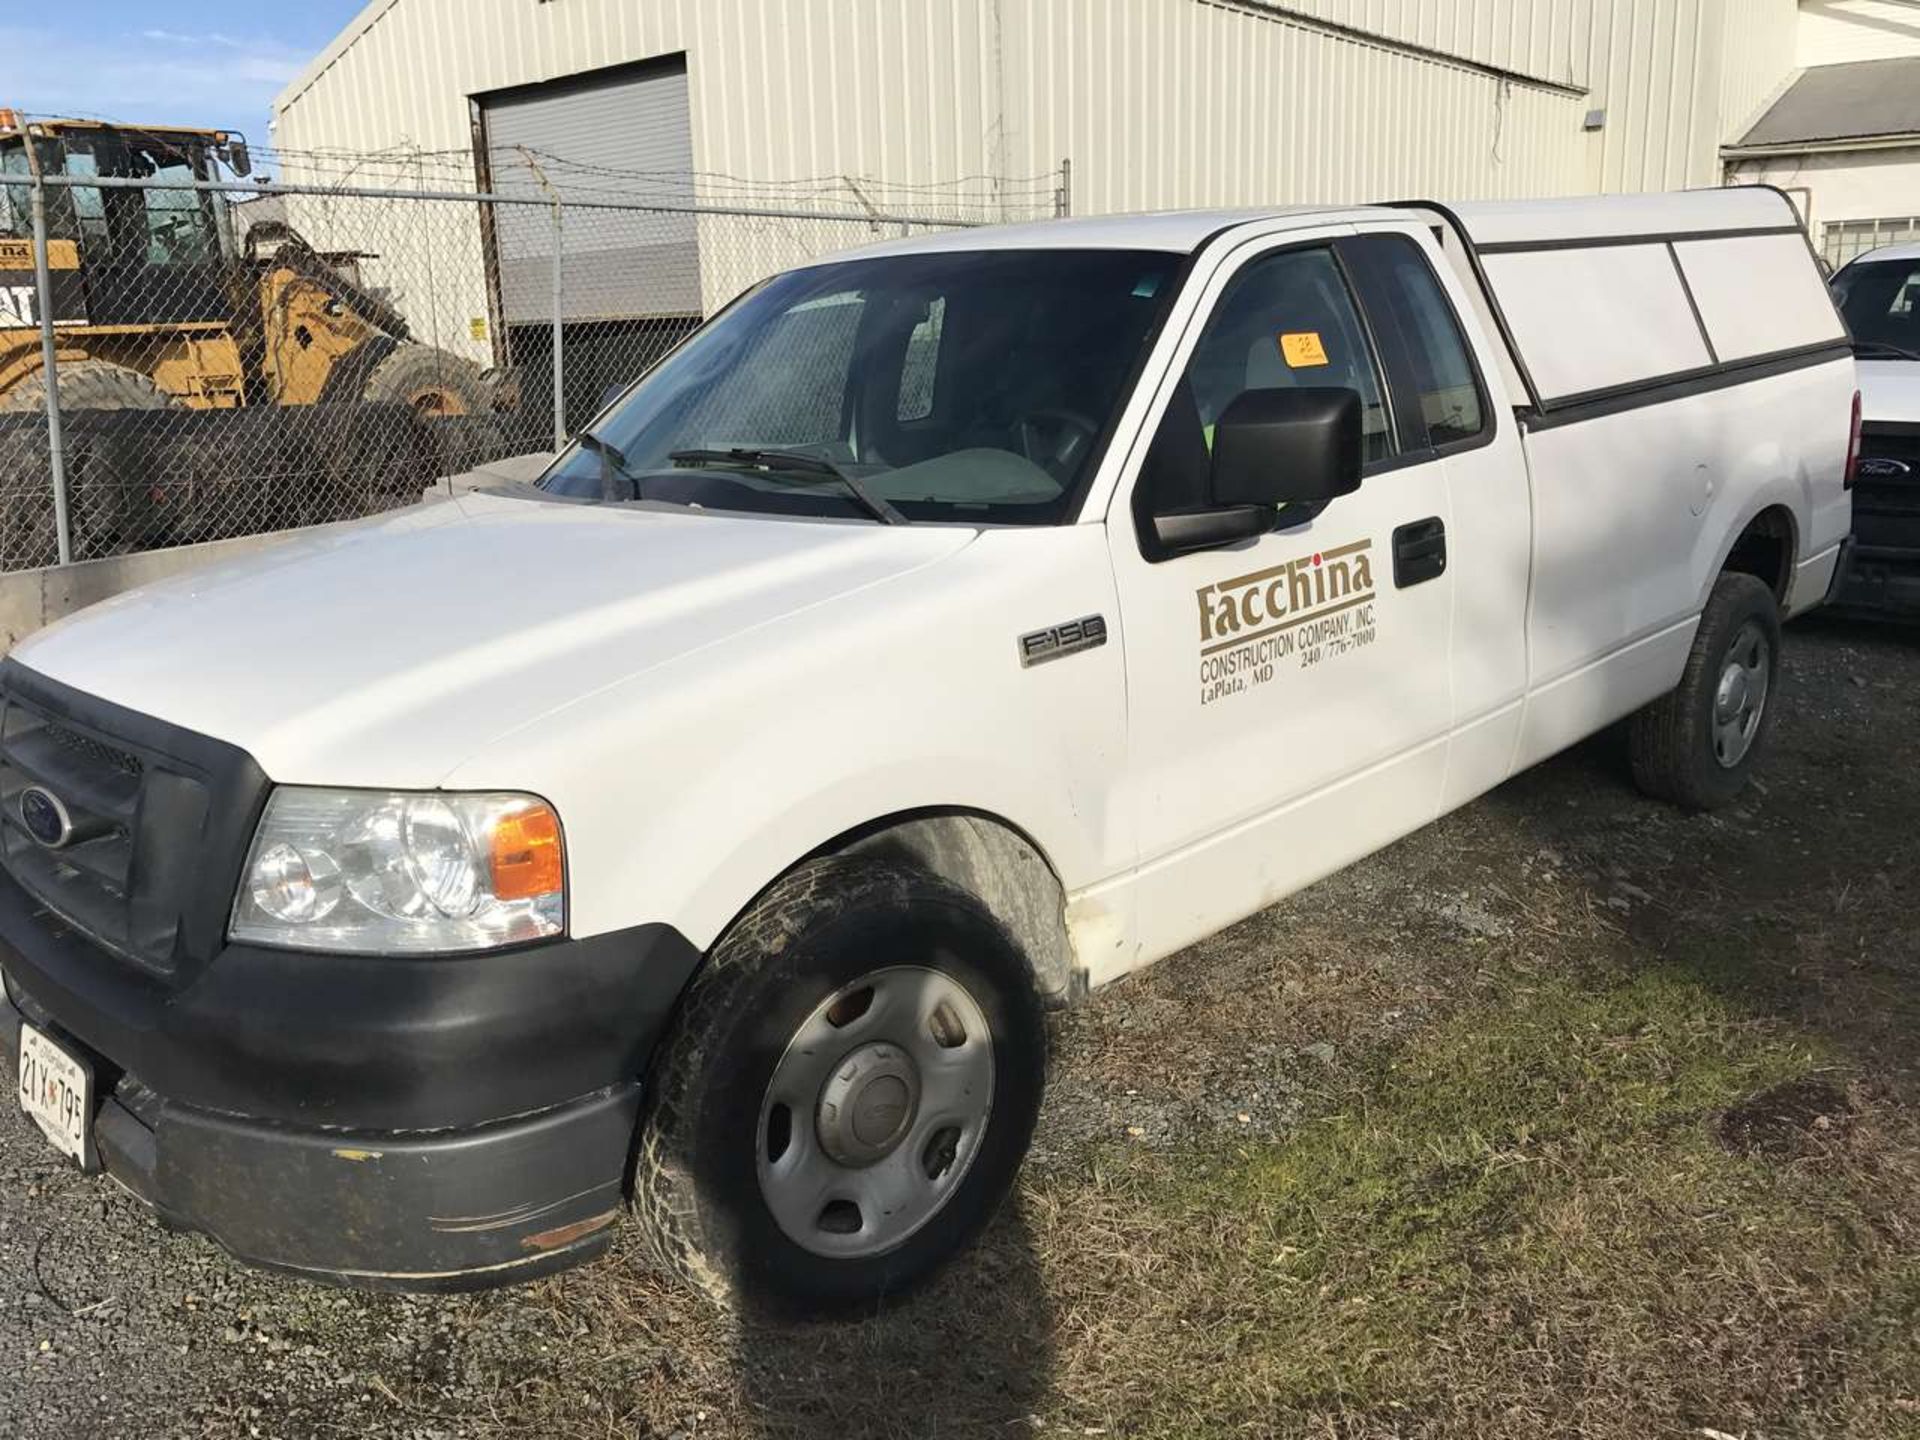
{"x": 875, "y": 1112}
{"x": 1740, "y": 699}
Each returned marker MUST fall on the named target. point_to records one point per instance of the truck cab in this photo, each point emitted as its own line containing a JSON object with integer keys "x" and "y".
{"x": 941, "y": 633}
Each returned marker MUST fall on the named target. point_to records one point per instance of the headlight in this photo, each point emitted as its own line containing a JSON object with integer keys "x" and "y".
{"x": 384, "y": 872}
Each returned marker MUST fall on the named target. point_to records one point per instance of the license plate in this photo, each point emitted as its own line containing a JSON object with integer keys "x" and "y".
{"x": 56, "y": 1089}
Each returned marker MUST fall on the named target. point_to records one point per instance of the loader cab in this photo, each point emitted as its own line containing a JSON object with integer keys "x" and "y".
{"x": 147, "y": 255}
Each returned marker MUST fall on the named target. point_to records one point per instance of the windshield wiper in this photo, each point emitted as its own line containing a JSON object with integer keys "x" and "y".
{"x": 1882, "y": 350}
{"x": 792, "y": 462}
{"x": 612, "y": 463}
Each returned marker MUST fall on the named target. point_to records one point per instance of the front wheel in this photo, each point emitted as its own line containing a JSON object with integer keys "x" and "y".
{"x": 847, "y": 1093}
{"x": 1696, "y": 745}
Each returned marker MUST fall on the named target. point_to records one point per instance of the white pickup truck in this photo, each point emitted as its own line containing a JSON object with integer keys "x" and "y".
{"x": 940, "y": 632}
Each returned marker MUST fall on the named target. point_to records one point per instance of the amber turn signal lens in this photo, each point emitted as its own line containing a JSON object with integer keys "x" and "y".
{"x": 527, "y": 858}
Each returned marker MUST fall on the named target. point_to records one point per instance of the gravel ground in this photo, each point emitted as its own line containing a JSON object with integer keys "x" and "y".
{"x": 110, "y": 1326}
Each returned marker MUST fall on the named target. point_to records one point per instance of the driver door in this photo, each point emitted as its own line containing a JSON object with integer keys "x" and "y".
{"x": 1288, "y": 696}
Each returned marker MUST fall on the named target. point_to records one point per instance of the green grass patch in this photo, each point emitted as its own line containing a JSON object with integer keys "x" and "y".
{"x": 1528, "y": 1220}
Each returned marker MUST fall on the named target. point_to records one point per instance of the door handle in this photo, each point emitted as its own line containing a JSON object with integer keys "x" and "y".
{"x": 1419, "y": 551}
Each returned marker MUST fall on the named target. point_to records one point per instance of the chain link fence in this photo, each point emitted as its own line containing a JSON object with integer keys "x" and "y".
{"x": 184, "y": 361}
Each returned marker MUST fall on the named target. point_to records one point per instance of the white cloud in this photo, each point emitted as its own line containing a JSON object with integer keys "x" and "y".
{"x": 211, "y": 37}
{"x": 156, "y": 77}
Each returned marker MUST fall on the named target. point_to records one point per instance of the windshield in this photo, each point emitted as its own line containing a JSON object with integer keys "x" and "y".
{"x": 1881, "y": 300}
{"x": 968, "y": 386}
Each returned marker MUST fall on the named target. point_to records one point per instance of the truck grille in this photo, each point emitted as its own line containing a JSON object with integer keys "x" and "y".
{"x": 140, "y": 824}
{"x": 1886, "y": 508}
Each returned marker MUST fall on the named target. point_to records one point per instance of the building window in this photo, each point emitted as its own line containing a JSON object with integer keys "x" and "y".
{"x": 1841, "y": 240}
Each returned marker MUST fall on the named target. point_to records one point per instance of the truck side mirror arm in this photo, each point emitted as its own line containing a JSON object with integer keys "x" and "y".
{"x": 1180, "y": 532}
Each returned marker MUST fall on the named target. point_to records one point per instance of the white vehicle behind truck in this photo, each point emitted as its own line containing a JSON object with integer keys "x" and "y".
{"x": 943, "y": 631}
{"x": 1879, "y": 297}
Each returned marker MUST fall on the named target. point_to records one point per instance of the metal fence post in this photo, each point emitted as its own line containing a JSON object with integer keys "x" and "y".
{"x": 559, "y": 347}
{"x": 1063, "y": 194}
{"x": 56, "y": 440}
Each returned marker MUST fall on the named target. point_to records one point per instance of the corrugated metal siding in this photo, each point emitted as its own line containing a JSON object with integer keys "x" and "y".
{"x": 1838, "y": 32}
{"x": 1203, "y": 104}
{"x": 1158, "y": 102}
{"x": 1757, "y": 58}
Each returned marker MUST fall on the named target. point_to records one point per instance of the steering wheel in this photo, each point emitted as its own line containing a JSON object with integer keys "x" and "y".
{"x": 1056, "y": 440}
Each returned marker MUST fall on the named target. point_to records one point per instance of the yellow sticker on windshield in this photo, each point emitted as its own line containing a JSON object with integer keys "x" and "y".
{"x": 1302, "y": 348}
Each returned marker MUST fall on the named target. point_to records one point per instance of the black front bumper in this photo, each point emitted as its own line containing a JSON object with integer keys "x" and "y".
{"x": 454, "y": 1210}
{"x": 445, "y": 1124}
{"x": 1880, "y": 580}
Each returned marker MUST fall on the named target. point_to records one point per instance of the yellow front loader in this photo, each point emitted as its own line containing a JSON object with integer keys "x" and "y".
{"x": 157, "y": 301}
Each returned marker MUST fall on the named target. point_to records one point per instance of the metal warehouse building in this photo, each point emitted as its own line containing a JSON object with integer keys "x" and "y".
{"x": 1092, "y": 105}
{"x": 1156, "y": 103}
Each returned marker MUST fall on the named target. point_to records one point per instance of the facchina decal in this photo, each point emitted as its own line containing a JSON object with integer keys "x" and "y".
{"x": 1309, "y": 610}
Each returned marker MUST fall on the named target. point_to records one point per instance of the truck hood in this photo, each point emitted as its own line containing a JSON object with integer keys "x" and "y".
{"x": 383, "y": 654}
{"x": 1890, "y": 391}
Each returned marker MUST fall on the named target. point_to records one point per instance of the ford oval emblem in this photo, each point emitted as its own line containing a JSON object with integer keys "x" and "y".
{"x": 1878, "y": 467}
{"x": 45, "y": 817}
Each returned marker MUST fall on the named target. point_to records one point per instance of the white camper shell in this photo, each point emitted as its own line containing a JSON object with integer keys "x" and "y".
{"x": 945, "y": 630}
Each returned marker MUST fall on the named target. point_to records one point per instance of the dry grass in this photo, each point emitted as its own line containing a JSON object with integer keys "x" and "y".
{"x": 1535, "y": 1219}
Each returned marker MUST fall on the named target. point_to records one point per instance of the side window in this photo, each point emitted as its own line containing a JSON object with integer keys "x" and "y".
{"x": 1284, "y": 321}
{"x": 15, "y": 200}
{"x": 922, "y": 362}
{"x": 1451, "y": 405}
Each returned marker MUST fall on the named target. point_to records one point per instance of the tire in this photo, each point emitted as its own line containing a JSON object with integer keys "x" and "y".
{"x": 711, "y": 1150}
{"x": 88, "y": 385}
{"x": 430, "y": 382}
{"x": 1682, "y": 745}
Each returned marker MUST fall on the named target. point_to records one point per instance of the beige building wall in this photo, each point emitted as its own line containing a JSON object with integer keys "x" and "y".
{"x": 1158, "y": 103}
{"x": 1838, "y": 32}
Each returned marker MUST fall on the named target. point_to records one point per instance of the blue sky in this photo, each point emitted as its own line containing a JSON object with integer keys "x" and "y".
{"x": 186, "y": 62}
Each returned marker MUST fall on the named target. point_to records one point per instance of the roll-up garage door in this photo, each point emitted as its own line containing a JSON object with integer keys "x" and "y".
{"x": 590, "y": 137}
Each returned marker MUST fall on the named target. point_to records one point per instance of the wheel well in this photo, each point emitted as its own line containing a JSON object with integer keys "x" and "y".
{"x": 993, "y": 862}
{"x": 1765, "y": 550}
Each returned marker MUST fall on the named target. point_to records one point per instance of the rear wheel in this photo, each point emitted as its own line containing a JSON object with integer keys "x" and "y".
{"x": 847, "y": 1094}
{"x": 1696, "y": 745}
{"x": 88, "y": 385}
{"x": 430, "y": 382}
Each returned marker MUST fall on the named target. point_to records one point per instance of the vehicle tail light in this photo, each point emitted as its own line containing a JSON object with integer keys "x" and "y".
{"x": 1853, "y": 447}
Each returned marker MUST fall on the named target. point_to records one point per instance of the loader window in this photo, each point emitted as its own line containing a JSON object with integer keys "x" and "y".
{"x": 16, "y": 220}
{"x": 166, "y": 227}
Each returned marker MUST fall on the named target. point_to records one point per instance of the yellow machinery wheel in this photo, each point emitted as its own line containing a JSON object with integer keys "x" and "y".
{"x": 431, "y": 382}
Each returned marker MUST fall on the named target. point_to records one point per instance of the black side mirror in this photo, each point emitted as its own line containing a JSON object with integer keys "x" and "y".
{"x": 1270, "y": 448}
{"x": 238, "y": 160}
{"x": 1287, "y": 447}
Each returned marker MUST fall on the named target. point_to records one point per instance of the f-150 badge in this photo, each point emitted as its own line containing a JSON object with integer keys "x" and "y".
{"x": 1058, "y": 641}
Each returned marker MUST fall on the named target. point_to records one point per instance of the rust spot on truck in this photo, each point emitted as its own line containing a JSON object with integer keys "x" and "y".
{"x": 565, "y": 1235}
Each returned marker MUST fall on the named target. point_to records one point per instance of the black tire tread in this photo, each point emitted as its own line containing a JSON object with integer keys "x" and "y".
{"x": 89, "y": 384}
{"x": 1664, "y": 738}
{"x": 675, "y": 1231}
